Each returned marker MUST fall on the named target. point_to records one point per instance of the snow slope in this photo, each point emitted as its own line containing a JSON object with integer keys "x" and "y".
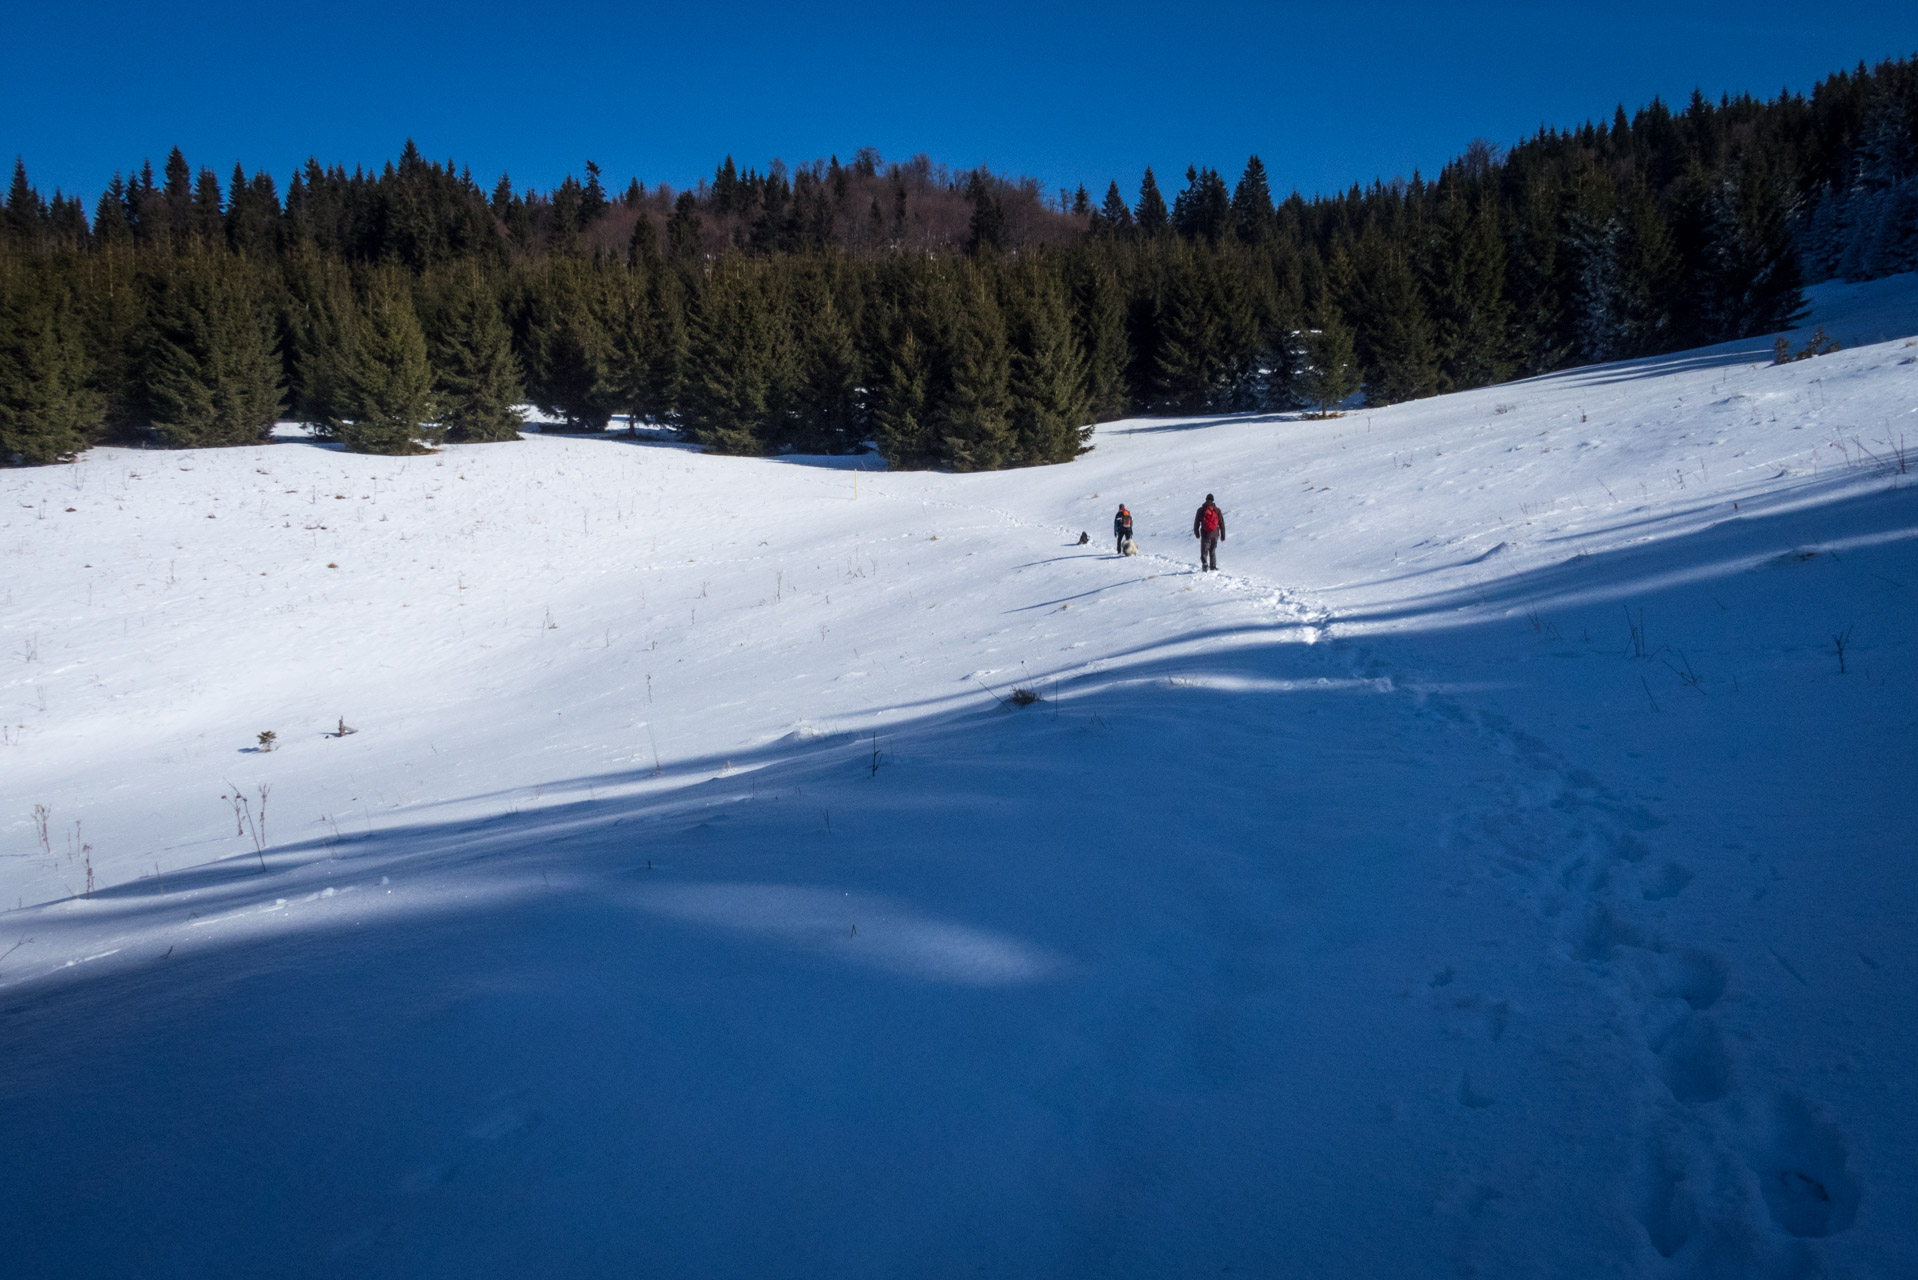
{"x": 687, "y": 902}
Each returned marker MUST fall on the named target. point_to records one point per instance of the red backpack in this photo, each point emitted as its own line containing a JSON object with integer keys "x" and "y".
{"x": 1209, "y": 520}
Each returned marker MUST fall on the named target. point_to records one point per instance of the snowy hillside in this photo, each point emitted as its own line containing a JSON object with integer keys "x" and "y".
{"x": 1492, "y": 871}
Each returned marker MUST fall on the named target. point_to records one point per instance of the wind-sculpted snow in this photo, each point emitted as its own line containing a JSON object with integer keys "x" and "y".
{"x": 1501, "y": 867}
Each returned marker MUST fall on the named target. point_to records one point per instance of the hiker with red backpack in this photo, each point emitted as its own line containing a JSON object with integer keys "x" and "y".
{"x": 1208, "y": 526}
{"x": 1122, "y": 527}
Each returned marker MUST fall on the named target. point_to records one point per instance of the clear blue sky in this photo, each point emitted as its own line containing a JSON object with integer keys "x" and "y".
{"x": 1325, "y": 93}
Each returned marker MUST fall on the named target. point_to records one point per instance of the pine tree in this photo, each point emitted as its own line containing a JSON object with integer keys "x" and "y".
{"x": 48, "y": 412}
{"x": 478, "y": 382}
{"x": 211, "y": 372}
{"x": 385, "y": 394}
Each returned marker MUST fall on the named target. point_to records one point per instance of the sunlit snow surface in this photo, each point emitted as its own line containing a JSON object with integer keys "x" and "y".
{"x": 686, "y": 903}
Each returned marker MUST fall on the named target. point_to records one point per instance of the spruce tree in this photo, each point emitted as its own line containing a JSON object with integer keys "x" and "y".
{"x": 901, "y": 406}
{"x": 1280, "y": 324}
{"x": 973, "y": 413}
{"x": 1049, "y": 411}
{"x": 563, "y": 229}
{"x": 732, "y": 399}
{"x": 1099, "y": 313}
{"x": 665, "y": 386}
{"x": 565, "y": 346}
{"x": 1114, "y": 219}
{"x": 48, "y": 410}
{"x": 1329, "y": 374}
{"x": 26, "y": 221}
{"x": 1183, "y": 358}
{"x": 685, "y": 232}
{"x": 629, "y": 330}
{"x": 1252, "y": 204}
{"x": 826, "y": 406}
{"x": 1591, "y": 240}
{"x": 177, "y": 199}
{"x": 212, "y": 375}
{"x": 1203, "y": 210}
{"x": 592, "y": 198}
{"x": 1471, "y": 316}
{"x": 110, "y": 306}
{"x": 207, "y": 218}
{"x": 987, "y": 228}
{"x": 1150, "y": 215}
{"x": 110, "y": 226}
{"x": 478, "y": 380}
{"x": 385, "y": 396}
{"x": 317, "y": 322}
{"x": 642, "y": 247}
{"x": 1395, "y": 334}
{"x": 1539, "y": 279}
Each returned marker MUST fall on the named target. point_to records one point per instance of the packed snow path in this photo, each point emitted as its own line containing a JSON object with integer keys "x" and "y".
{"x": 1491, "y": 871}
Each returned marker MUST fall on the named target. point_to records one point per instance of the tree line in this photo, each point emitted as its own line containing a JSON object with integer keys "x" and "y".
{"x": 960, "y": 320}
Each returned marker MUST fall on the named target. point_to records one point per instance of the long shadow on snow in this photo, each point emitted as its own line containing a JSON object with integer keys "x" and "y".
{"x": 1038, "y": 971}
{"x": 1733, "y": 545}
{"x": 1736, "y": 545}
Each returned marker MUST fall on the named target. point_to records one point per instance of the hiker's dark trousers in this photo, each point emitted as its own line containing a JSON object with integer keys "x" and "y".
{"x": 1208, "y": 550}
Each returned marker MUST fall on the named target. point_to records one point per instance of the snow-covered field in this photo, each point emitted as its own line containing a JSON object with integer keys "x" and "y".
{"x": 687, "y": 903}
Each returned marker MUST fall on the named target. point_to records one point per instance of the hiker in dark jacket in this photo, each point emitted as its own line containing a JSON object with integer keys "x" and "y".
{"x": 1122, "y": 527}
{"x": 1208, "y": 526}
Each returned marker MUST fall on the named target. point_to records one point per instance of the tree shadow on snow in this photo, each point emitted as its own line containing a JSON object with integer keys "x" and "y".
{"x": 951, "y": 969}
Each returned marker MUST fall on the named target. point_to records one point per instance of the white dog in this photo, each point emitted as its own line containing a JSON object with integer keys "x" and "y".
{"x": 1131, "y": 547}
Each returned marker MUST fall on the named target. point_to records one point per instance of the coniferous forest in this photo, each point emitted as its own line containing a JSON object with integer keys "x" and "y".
{"x": 960, "y": 320}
